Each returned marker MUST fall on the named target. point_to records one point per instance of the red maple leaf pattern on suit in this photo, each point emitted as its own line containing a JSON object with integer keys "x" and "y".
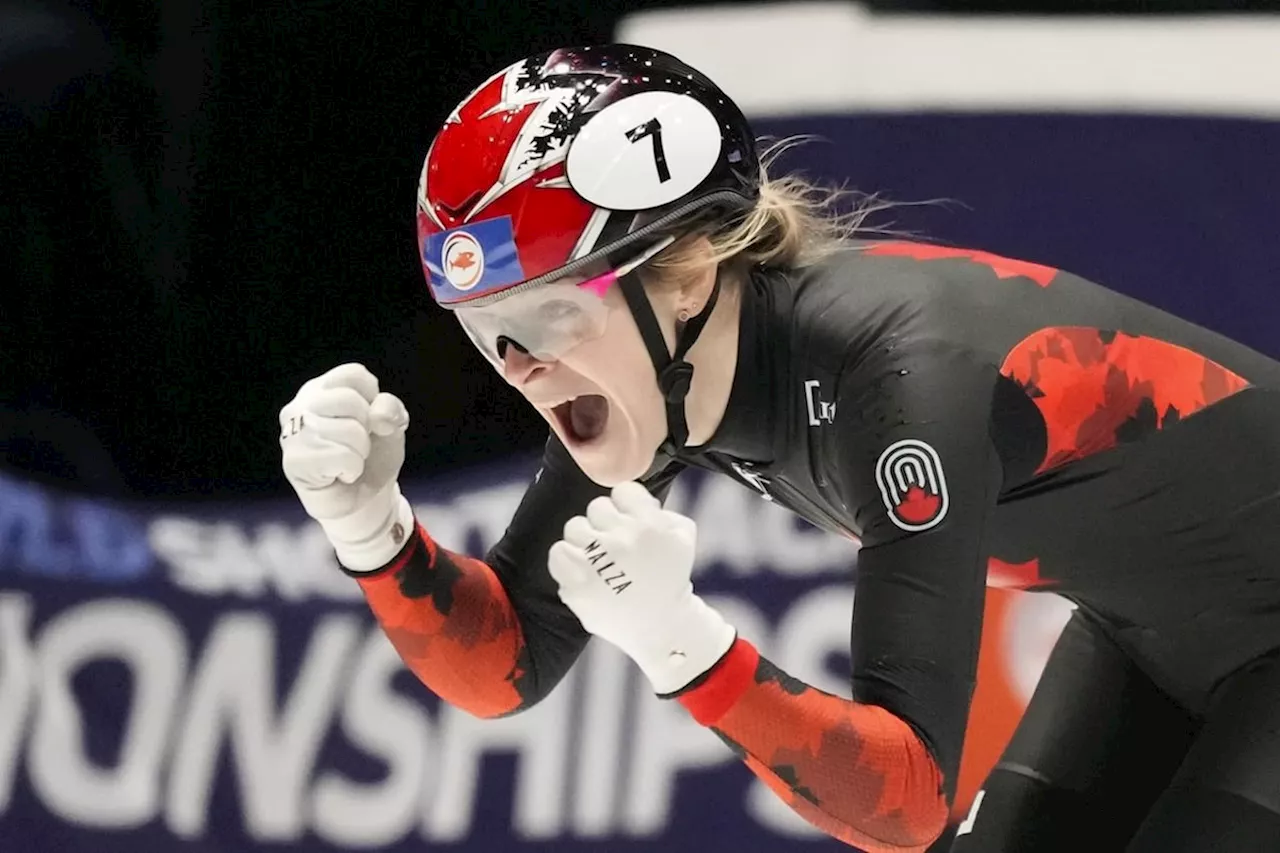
{"x": 1002, "y": 266}
{"x": 1097, "y": 389}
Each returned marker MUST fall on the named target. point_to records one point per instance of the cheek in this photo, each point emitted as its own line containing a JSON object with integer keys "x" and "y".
{"x": 661, "y": 303}
{"x": 664, "y": 311}
{"x": 618, "y": 358}
{"x": 619, "y": 364}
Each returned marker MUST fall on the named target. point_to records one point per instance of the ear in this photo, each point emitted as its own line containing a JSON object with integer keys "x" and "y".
{"x": 695, "y": 289}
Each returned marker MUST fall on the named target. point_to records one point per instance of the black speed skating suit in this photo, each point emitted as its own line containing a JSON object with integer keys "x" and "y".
{"x": 970, "y": 419}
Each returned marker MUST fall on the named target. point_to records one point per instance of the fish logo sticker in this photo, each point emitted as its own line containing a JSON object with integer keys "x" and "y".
{"x": 463, "y": 260}
{"x": 909, "y": 474}
{"x": 467, "y": 263}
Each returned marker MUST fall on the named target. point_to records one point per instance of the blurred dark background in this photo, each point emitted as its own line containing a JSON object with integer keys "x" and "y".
{"x": 204, "y": 203}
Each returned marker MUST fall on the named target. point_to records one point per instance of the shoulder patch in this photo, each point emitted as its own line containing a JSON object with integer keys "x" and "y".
{"x": 914, "y": 489}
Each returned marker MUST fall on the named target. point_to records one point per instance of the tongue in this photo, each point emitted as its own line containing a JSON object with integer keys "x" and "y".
{"x": 588, "y": 416}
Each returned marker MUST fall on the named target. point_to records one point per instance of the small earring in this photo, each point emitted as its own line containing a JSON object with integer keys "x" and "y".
{"x": 685, "y": 314}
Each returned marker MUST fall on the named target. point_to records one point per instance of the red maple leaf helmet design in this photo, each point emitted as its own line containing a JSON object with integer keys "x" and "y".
{"x": 506, "y": 157}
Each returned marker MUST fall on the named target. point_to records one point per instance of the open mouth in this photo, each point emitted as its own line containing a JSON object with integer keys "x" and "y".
{"x": 583, "y": 418}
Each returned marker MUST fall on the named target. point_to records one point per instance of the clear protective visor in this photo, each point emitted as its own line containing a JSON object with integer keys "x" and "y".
{"x": 549, "y": 320}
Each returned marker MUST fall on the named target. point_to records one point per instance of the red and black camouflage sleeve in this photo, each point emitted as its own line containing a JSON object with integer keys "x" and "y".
{"x": 914, "y": 461}
{"x": 853, "y": 770}
{"x": 491, "y": 636}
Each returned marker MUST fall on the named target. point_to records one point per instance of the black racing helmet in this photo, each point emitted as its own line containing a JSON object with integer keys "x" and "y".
{"x": 576, "y": 156}
{"x": 573, "y": 156}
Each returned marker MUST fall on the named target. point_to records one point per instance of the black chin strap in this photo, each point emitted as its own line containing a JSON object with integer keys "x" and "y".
{"x": 675, "y": 375}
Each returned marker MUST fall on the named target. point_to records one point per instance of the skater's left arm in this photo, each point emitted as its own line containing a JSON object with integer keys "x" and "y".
{"x": 918, "y": 466}
{"x": 856, "y": 771}
{"x": 875, "y": 771}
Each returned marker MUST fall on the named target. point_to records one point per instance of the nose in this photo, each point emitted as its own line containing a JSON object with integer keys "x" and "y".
{"x": 519, "y": 367}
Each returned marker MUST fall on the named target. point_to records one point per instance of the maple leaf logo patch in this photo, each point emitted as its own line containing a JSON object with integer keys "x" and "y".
{"x": 909, "y": 474}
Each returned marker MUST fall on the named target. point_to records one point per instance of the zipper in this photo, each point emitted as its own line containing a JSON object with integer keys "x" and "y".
{"x": 817, "y": 515}
{"x": 782, "y": 493}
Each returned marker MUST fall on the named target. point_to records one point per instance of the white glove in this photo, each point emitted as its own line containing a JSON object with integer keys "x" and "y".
{"x": 624, "y": 570}
{"x": 343, "y": 445}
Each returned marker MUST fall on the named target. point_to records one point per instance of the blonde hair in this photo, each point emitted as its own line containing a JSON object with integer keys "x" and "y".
{"x": 795, "y": 223}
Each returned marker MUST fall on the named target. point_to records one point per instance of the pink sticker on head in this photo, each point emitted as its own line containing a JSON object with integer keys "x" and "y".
{"x": 600, "y": 284}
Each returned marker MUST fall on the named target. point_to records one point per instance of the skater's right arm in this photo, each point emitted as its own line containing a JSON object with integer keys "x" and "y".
{"x": 488, "y": 636}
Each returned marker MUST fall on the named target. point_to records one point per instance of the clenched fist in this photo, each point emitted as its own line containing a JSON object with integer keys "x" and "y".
{"x": 342, "y": 443}
{"x": 624, "y": 569}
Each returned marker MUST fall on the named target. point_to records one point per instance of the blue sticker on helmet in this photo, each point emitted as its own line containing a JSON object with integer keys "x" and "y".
{"x": 472, "y": 261}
